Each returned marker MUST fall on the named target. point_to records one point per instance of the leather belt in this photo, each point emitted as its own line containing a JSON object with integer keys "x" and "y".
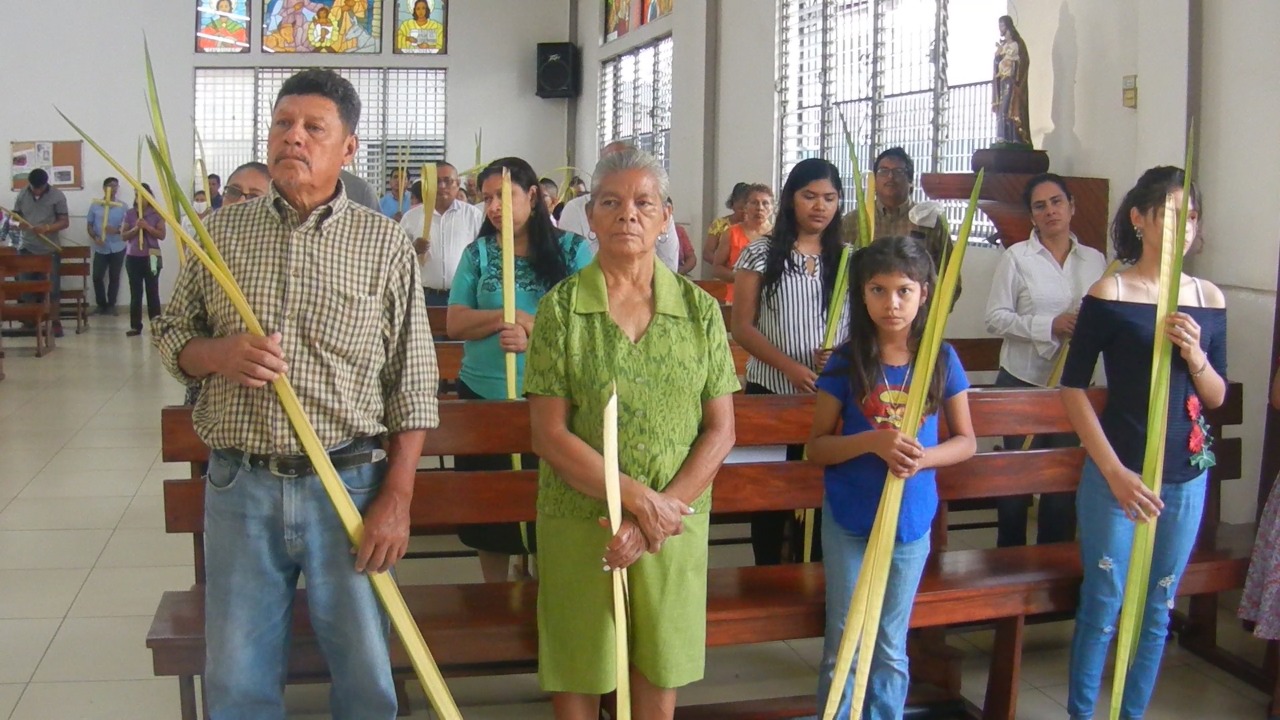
{"x": 361, "y": 451}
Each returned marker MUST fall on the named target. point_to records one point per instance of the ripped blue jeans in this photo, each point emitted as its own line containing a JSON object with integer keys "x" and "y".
{"x": 1106, "y": 537}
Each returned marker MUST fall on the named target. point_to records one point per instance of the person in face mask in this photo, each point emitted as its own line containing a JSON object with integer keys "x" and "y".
{"x": 201, "y": 203}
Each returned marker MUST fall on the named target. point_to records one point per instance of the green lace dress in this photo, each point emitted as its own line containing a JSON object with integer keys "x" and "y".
{"x": 682, "y": 361}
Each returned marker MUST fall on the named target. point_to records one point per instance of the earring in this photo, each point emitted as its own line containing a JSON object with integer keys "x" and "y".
{"x": 1137, "y": 231}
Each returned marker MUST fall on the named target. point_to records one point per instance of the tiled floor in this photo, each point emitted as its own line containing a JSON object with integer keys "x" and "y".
{"x": 84, "y": 558}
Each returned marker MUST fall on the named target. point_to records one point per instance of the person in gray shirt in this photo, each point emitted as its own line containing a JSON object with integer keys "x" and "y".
{"x": 359, "y": 190}
{"x": 43, "y": 209}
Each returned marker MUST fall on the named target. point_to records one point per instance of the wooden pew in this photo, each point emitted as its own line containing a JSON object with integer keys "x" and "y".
{"x": 449, "y": 359}
{"x": 718, "y": 289}
{"x": 14, "y": 309}
{"x": 436, "y": 317}
{"x": 485, "y": 629}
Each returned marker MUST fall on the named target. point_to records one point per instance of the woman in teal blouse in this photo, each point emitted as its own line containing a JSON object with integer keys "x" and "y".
{"x": 544, "y": 257}
{"x": 626, "y": 319}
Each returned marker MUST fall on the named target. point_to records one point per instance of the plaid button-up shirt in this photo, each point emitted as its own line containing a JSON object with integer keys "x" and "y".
{"x": 342, "y": 289}
{"x": 891, "y": 222}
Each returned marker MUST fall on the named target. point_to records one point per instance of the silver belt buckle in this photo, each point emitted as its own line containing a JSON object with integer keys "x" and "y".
{"x": 274, "y": 468}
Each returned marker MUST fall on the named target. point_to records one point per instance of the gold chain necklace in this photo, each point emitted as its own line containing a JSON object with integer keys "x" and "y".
{"x": 895, "y": 414}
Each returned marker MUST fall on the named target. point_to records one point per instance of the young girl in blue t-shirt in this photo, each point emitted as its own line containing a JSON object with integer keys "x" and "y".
{"x": 862, "y": 396}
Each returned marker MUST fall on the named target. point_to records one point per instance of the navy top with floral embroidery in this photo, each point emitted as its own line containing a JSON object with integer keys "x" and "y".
{"x": 1123, "y": 333}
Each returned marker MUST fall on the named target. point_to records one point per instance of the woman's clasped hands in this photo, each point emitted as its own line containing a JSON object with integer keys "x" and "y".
{"x": 650, "y": 522}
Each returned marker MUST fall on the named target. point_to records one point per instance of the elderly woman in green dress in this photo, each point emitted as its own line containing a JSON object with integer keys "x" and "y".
{"x": 626, "y": 318}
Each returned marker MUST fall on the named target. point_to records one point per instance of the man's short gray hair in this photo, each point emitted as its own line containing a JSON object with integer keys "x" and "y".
{"x": 627, "y": 160}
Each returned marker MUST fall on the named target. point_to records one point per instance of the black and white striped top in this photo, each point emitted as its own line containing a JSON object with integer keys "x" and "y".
{"x": 794, "y": 320}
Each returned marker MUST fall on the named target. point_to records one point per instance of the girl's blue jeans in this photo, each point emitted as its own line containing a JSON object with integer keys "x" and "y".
{"x": 841, "y": 562}
{"x": 1106, "y": 538}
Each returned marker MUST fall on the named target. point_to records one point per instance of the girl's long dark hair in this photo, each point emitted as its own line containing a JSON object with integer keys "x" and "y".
{"x": 786, "y": 231}
{"x": 1147, "y": 195}
{"x": 137, "y": 198}
{"x": 887, "y": 256}
{"x": 546, "y": 258}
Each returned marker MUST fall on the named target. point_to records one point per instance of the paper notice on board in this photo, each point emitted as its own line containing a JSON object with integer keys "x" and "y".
{"x": 44, "y": 153}
{"x": 62, "y": 175}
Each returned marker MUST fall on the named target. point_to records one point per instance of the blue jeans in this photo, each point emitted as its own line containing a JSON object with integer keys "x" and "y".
{"x": 1106, "y": 538}
{"x": 887, "y": 687}
{"x": 261, "y": 531}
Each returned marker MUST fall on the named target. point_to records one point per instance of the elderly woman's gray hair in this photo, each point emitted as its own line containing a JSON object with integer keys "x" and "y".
{"x": 626, "y": 160}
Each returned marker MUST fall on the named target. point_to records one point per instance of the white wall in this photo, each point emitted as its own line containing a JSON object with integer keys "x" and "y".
{"x": 97, "y": 78}
{"x": 94, "y": 73}
{"x": 746, "y": 131}
{"x": 1079, "y": 52}
{"x": 688, "y": 27}
{"x": 722, "y": 109}
{"x": 1240, "y": 179}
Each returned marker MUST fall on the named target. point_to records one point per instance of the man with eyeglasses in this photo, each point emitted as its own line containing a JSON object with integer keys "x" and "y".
{"x": 455, "y": 223}
{"x": 249, "y": 181}
{"x": 895, "y": 178}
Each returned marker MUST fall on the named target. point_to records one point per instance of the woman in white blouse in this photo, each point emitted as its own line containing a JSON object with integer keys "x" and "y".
{"x": 1035, "y": 295}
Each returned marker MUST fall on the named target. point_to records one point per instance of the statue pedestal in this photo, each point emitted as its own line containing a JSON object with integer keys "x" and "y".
{"x": 1001, "y": 200}
{"x": 1013, "y": 160}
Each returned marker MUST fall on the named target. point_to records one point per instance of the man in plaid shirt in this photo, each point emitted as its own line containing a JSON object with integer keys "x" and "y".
{"x": 336, "y": 285}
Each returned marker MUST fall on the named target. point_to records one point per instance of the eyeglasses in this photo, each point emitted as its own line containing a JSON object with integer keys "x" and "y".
{"x": 886, "y": 173}
{"x": 234, "y": 193}
{"x": 447, "y": 181}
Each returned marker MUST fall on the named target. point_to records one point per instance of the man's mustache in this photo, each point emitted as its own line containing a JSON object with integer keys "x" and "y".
{"x": 280, "y": 158}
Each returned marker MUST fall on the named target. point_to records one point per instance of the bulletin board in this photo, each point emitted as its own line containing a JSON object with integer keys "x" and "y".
{"x": 61, "y": 159}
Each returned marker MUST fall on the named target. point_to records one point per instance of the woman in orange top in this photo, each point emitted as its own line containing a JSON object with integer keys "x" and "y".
{"x": 757, "y": 221}
{"x": 720, "y": 226}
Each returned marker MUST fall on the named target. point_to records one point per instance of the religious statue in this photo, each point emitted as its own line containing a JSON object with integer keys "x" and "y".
{"x": 1009, "y": 87}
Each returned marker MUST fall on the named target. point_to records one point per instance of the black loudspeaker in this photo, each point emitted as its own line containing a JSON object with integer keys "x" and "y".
{"x": 559, "y": 70}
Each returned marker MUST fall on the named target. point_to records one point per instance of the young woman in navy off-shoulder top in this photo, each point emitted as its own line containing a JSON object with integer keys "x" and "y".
{"x": 1118, "y": 321}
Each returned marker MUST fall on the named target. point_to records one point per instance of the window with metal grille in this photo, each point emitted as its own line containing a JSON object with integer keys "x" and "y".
{"x": 905, "y": 73}
{"x": 635, "y": 98}
{"x": 402, "y": 118}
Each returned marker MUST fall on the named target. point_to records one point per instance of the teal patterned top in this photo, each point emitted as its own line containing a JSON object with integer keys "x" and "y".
{"x": 477, "y": 284}
{"x": 680, "y": 362}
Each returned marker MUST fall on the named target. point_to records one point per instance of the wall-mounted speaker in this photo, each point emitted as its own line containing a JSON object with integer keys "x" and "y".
{"x": 559, "y": 70}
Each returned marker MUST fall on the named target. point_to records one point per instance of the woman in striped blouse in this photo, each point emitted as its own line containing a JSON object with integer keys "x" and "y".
{"x": 782, "y": 289}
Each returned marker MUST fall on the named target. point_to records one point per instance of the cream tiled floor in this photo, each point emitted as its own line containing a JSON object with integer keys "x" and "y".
{"x": 84, "y": 558}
